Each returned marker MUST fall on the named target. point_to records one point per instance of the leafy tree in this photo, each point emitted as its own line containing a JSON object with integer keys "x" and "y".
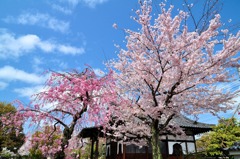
{"x": 70, "y": 101}
{"x": 45, "y": 142}
{"x": 35, "y": 153}
{"x": 166, "y": 70}
{"x": 86, "y": 150}
{"x": 8, "y": 137}
{"x": 223, "y": 136}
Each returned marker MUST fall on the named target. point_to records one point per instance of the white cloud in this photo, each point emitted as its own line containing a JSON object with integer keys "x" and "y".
{"x": 89, "y": 3}
{"x": 99, "y": 72}
{"x": 39, "y": 19}
{"x": 93, "y": 3}
{"x": 36, "y": 63}
{"x": 29, "y": 91}
{"x": 46, "y": 46}
{"x": 9, "y": 73}
{"x": 3, "y": 85}
{"x": 72, "y": 3}
{"x": 67, "y": 6}
{"x": 63, "y": 65}
{"x": 69, "y": 49}
{"x": 12, "y": 46}
{"x": 62, "y": 9}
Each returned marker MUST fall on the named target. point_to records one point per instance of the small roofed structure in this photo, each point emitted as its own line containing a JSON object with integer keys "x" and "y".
{"x": 93, "y": 133}
{"x": 118, "y": 150}
{"x": 234, "y": 150}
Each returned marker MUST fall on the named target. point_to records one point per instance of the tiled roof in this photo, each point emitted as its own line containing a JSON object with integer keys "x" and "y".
{"x": 184, "y": 122}
{"x": 194, "y": 126}
{"x": 235, "y": 147}
{"x": 91, "y": 132}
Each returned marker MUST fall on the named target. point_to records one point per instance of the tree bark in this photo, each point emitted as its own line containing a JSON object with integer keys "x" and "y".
{"x": 155, "y": 142}
{"x": 67, "y": 132}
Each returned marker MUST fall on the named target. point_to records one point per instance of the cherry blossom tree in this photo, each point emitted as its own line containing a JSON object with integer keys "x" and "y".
{"x": 200, "y": 18}
{"x": 8, "y": 138}
{"x": 165, "y": 70}
{"x": 45, "y": 142}
{"x": 71, "y": 101}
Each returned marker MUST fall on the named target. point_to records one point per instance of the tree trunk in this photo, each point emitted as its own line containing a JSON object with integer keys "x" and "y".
{"x": 155, "y": 142}
{"x": 59, "y": 155}
{"x": 67, "y": 132}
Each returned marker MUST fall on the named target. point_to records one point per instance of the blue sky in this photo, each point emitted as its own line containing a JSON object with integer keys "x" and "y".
{"x": 61, "y": 35}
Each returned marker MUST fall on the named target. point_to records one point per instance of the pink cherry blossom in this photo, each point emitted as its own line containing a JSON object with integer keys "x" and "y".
{"x": 72, "y": 100}
{"x": 167, "y": 70}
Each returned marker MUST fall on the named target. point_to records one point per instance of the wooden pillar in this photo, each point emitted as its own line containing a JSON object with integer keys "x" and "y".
{"x": 92, "y": 146}
{"x": 186, "y": 145}
{"x": 96, "y": 150}
{"x": 195, "y": 143}
{"x": 146, "y": 151}
{"x": 124, "y": 151}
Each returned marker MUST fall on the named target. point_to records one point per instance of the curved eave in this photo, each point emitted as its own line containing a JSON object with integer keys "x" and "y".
{"x": 91, "y": 132}
{"x": 197, "y": 130}
{"x": 195, "y": 126}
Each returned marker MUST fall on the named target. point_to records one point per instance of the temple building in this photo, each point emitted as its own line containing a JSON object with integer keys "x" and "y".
{"x": 171, "y": 146}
